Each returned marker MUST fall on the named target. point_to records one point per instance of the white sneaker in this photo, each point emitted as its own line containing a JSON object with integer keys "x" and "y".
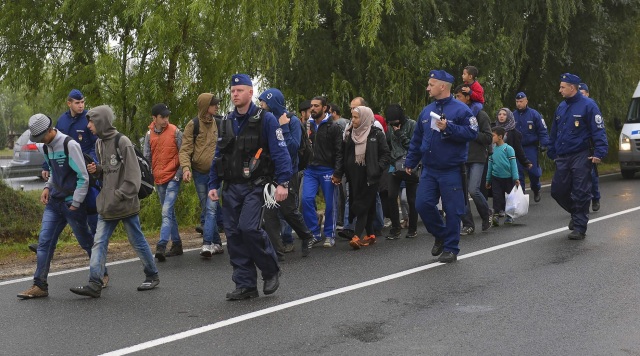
{"x": 329, "y": 242}
{"x": 387, "y": 222}
{"x": 207, "y": 250}
{"x": 217, "y": 249}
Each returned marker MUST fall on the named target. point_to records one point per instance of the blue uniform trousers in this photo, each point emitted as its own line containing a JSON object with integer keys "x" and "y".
{"x": 571, "y": 187}
{"x": 531, "y": 152}
{"x": 247, "y": 243}
{"x": 595, "y": 187}
{"x": 448, "y": 185}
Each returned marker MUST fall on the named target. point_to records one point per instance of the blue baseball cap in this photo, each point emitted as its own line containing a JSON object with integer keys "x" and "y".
{"x": 441, "y": 75}
{"x": 521, "y": 95}
{"x": 76, "y": 94}
{"x": 570, "y": 78}
{"x": 241, "y": 79}
{"x": 583, "y": 86}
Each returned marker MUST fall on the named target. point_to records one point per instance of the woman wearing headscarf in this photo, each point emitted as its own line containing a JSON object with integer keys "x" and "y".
{"x": 366, "y": 157}
{"x": 513, "y": 138}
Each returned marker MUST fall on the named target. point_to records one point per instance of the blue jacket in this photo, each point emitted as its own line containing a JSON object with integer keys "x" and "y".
{"x": 578, "y": 125}
{"x": 292, "y": 131}
{"x": 532, "y": 127}
{"x": 443, "y": 150}
{"x": 277, "y": 147}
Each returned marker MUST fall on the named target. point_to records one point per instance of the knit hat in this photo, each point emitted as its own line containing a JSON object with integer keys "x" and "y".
{"x": 39, "y": 125}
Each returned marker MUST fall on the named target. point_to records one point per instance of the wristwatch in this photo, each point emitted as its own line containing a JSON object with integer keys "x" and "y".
{"x": 285, "y": 184}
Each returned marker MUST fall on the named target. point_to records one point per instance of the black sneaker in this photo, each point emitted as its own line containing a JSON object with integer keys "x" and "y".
{"x": 243, "y": 293}
{"x": 576, "y": 235}
{"x": 90, "y": 290}
{"x": 595, "y": 206}
{"x": 571, "y": 224}
{"x": 486, "y": 224}
{"x": 160, "y": 253}
{"x": 536, "y": 196}
{"x": 175, "y": 250}
{"x": 437, "y": 248}
{"x": 467, "y": 230}
{"x": 33, "y": 248}
{"x": 149, "y": 283}
{"x": 411, "y": 235}
{"x": 346, "y": 234}
{"x": 447, "y": 257}
{"x": 305, "y": 248}
{"x": 394, "y": 233}
{"x": 199, "y": 230}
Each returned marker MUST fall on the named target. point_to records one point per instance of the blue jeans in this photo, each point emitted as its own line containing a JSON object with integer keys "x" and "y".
{"x": 136, "y": 239}
{"x": 56, "y": 216}
{"x": 316, "y": 177}
{"x": 474, "y": 181}
{"x": 168, "y": 194}
{"x": 208, "y": 219}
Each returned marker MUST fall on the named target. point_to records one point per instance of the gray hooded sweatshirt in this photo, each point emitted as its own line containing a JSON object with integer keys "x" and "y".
{"x": 118, "y": 198}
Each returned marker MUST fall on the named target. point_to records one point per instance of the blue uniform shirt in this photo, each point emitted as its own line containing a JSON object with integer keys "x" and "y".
{"x": 76, "y": 128}
{"x": 532, "y": 127}
{"x": 577, "y": 125}
{"x": 275, "y": 141}
{"x": 447, "y": 149}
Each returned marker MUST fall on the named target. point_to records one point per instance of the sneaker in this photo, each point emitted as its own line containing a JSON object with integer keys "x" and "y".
{"x": 160, "y": 253}
{"x": 495, "y": 220}
{"x": 149, "y": 283}
{"x": 404, "y": 223}
{"x": 329, "y": 242}
{"x": 92, "y": 290}
{"x": 305, "y": 246}
{"x": 576, "y": 235}
{"x": 217, "y": 249}
{"x": 595, "y": 204}
{"x": 176, "y": 250}
{"x": 34, "y": 292}
{"x": 571, "y": 224}
{"x": 346, "y": 233}
{"x": 394, "y": 233}
{"x": 33, "y": 248}
{"x": 486, "y": 224}
{"x": 508, "y": 220}
{"x": 199, "y": 230}
{"x": 288, "y": 248}
{"x": 411, "y": 235}
{"x": 207, "y": 251}
{"x": 355, "y": 243}
{"x": 467, "y": 230}
{"x": 536, "y": 196}
{"x": 314, "y": 241}
{"x": 387, "y": 222}
{"x": 105, "y": 281}
{"x": 501, "y": 214}
{"x": 369, "y": 240}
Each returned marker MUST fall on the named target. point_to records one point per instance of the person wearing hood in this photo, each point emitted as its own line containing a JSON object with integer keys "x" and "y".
{"x": 398, "y": 138}
{"x": 578, "y": 141}
{"x": 118, "y": 201}
{"x": 272, "y": 100}
{"x": 63, "y": 196}
{"x": 251, "y": 157}
{"x": 161, "y": 146}
{"x": 196, "y": 154}
{"x": 365, "y": 159}
{"x": 440, "y": 142}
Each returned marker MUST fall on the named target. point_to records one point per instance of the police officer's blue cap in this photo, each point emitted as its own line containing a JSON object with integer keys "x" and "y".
{"x": 521, "y": 95}
{"x": 241, "y": 79}
{"x": 441, "y": 75}
{"x": 570, "y": 78}
{"x": 583, "y": 86}
{"x": 76, "y": 94}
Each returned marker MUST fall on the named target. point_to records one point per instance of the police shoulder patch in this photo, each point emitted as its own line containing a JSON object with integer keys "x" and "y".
{"x": 598, "y": 119}
{"x": 473, "y": 122}
{"x": 279, "y": 134}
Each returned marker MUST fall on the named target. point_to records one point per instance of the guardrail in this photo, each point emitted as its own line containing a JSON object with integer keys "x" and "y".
{"x": 7, "y": 172}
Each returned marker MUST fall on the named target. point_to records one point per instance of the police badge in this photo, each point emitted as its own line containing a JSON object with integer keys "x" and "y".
{"x": 577, "y": 123}
{"x": 79, "y": 137}
{"x": 279, "y": 134}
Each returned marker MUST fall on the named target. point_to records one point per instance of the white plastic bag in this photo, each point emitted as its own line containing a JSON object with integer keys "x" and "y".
{"x": 517, "y": 203}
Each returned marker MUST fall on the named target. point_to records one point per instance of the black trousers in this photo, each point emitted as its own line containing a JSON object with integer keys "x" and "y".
{"x": 411, "y": 185}
{"x": 291, "y": 214}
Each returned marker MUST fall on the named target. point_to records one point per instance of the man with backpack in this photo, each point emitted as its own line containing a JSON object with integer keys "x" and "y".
{"x": 120, "y": 174}
{"x": 161, "y": 146}
{"x": 196, "y": 154}
{"x": 292, "y": 130}
{"x": 63, "y": 195}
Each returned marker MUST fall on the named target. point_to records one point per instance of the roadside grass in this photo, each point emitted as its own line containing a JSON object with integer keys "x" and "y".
{"x": 5, "y": 152}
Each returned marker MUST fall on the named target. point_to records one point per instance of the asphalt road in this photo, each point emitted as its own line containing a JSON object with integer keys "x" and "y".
{"x": 515, "y": 290}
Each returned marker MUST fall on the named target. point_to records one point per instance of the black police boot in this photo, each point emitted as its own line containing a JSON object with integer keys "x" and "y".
{"x": 595, "y": 204}
{"x": 571, "y": 224}
{"x": 576, "y": 235}
{"x": 271, "y": 285}
{"x": 437, "y": 248}
{"x": 447, "y": 257}
{"x": 536, "y": 196}
{"x": 243, "y": 293}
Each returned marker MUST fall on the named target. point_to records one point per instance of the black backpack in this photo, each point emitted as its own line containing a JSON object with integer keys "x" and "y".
{"x": 304, "y": 151}
{"x": 146, "y": 184}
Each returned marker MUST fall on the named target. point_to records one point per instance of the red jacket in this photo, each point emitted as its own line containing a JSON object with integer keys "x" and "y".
{"x": 477, "y": 93}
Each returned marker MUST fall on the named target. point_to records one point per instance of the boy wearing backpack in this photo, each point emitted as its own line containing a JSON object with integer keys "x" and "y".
{"x": 120, "y": 174}
{"x": 63, "y": 196}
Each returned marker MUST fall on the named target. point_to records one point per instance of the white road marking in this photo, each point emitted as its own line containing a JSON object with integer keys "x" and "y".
{"x": 270, "y": 310}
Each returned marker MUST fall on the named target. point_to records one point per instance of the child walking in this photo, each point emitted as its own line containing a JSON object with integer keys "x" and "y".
{"x": 502, "y": 174}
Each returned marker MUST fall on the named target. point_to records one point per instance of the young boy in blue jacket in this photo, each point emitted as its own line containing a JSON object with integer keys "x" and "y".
{"x": 502, "y": 173}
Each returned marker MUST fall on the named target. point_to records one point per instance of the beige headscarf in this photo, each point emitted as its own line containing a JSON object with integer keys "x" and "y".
{"x": 359, "y": 135}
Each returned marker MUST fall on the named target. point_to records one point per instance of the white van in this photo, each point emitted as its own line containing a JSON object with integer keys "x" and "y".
{"x": 629, "y": 145}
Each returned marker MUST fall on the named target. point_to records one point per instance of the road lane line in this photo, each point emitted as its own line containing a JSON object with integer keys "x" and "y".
{"x": 270, "y": 310}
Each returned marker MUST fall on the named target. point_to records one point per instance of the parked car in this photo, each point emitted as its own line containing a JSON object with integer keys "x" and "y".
{"x": 27, "y": 160}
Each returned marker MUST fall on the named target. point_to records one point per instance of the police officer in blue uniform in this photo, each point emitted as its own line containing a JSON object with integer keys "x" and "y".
{"x": 577, "y": 141}
{"x": 440, "y": 142}
{"x": 534, "y": 133}
{"x": 251, "y": 152}
{"x": 595, "y": 187}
